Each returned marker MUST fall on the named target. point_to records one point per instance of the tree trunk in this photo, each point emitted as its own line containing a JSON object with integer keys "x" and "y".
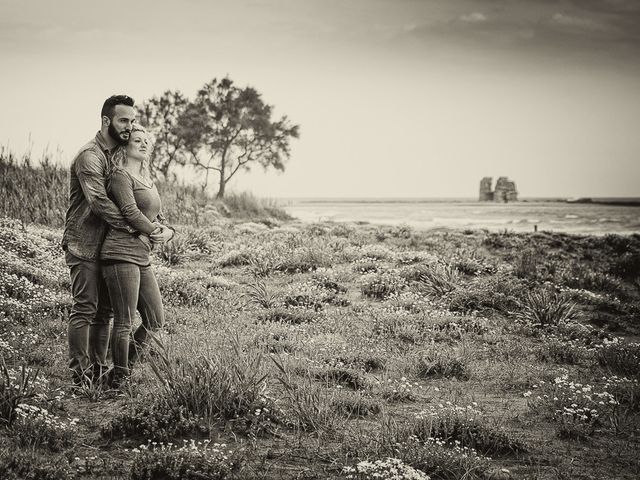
{"x": 223, "y": 182}
{"x": 220, "y": 194}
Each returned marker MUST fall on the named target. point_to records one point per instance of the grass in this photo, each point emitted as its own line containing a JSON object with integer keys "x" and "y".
{"x": 310, "y": 349}
{"x": 36, "y": 191}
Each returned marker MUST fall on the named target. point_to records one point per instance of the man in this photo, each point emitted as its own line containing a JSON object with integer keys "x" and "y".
{"x": 89, "y": 215}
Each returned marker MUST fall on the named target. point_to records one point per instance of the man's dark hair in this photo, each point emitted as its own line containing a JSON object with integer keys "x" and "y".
{"x": 110, "y": 104}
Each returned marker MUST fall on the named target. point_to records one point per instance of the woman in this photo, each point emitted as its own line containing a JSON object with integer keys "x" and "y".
{"x": 125, "y": 257}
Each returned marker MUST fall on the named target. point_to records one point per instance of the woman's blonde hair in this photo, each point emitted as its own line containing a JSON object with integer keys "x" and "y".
{"x": 119, "y": 157}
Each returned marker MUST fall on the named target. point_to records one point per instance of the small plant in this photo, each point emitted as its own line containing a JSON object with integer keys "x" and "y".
{"x": 228, "y": 384}
{"x": 173, "y": 252}
{"x": 435, "y": 457}
{"x": 191, "y": 461}
{"x": 35, "y": 427}
{"x": 356, "y": 404}
{"x": 307, "y": 259}
{"x": 397, "y": 390}
{"x": 441, "y": 364}
{"x": 621, "y": 358}
{"x": 439, "y": 280}
{"x": 236, "y": 258}
{"x": 577, "y": 408}
{"x": 311, "y": 406}
{"x": 21, "y": 465}
{"x": 527, "y": 264}
{"x": 381, "y": 286}
{"x": 341, "y": 376}
{"x": 15, "y": 389}
{"x": 465, "y": 426}
{"x": 153, "y": 418}
{"x": 545, "y": 307}
{"x": 260, "y": 294}
{"x": 561, "y": 351}
{"x": 291, "y": 316}
{"x": 625, "y": 390}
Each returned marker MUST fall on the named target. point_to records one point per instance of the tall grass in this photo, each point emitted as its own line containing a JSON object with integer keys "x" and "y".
{"x": 37, "y": 191}
{"x": 33, "y": 193}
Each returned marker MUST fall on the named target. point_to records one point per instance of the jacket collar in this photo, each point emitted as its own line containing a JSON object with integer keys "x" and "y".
{"x": 102, "y": 143}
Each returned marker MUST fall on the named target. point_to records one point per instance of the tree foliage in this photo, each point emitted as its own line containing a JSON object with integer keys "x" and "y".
{"x": 227, "y": 129}
{"x": 160, "y": 116}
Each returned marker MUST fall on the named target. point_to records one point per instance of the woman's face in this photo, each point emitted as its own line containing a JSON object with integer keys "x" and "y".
{"x": 138, "y": 146}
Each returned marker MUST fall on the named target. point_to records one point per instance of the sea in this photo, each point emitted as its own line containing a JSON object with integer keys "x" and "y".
{"x": 593, "y": 217}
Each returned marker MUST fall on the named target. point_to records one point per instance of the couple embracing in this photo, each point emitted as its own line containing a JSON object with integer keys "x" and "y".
{"x": 113, "y": 222}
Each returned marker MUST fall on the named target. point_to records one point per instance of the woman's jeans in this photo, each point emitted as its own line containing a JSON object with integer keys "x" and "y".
{"x": 131, "y": 287}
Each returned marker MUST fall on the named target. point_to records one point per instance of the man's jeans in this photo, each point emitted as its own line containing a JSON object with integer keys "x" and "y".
{"x": 91, "y": 313}
{"x": 131, "y": 288}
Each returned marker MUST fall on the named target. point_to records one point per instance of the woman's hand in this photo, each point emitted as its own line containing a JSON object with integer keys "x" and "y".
{"x": 161, "y": 234}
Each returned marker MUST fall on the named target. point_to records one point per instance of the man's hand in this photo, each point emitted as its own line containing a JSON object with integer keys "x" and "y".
{"x": 161, "y": 234}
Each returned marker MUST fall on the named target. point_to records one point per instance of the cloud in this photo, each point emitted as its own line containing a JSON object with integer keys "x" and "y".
{"x": 474, "y": 17}
{"x": 605, "y": 32}
{"x": 577, "y": 22}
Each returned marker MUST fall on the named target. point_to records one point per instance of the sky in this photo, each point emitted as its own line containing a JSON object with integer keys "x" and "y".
{"x": 394, "y": 98}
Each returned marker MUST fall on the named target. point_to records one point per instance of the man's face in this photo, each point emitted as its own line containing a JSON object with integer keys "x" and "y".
{"x": 121, "y": 123}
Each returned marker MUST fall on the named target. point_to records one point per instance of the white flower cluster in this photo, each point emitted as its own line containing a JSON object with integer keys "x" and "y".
{"x": 449, "y": 409}
{"x": 387, "y": 469}
{"x": 398, "y": 389}
{"x": 573, "y": 401}
{"x": 33, "y": 412}
{"x": 191, "y": 447}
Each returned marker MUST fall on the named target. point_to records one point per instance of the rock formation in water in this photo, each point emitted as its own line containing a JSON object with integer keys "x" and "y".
{"x": 486, "y": 194}
{"x": 504, "y": 192}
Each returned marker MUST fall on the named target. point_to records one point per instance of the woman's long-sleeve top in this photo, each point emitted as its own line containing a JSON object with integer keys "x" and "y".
{"x": 140, "y": 205}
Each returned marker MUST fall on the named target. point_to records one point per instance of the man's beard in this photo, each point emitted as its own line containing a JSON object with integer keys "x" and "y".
{"x": 113, "y": 133}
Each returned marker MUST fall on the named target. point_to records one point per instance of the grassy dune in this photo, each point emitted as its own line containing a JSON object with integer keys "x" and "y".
{"x": 327, "y": 350}
{"x": 337, "y": 351}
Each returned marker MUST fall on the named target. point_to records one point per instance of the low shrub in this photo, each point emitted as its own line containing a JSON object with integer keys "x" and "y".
{"x": 561, "y": 351}
{"x": 306, "y": 259}
{"x": 397, "y": 390}
{"x": 621, "y": 358}
{"x": 31, "y": 465}
{"x": 381, "y": 286}
{"x": 291, "y": 316}
{"x": 498, "y": 293}
{"x": 626, "y": 265}
{"x": 356, "y": 404}
{"x": 577, "y": 408}
{"x": 438, "y": 280}
{"x": 191, "y": 461}
{"x": 342, "y": 376}
{"x": 625, "y": 390}
{"x": 387, "y": 468}
{"x": 173, "y": 252}
{"x": 527, "y": 264}
{"x": 35, "y": 427}
{"x": 467, "y": 427}
{"x": 309, "y": 407}
{"x": 442, "y": 364}
{"x": 236, "y": 258}
{"x": 258, "y": 293}
{"x": 152, "y": 418}
{"x": 228, "y": 384}
{"x": 580, "y": 277}
{"x": 545, "y": 307}
{"x": 442, "y": 460}
{"x": 15, "y": 388}
{"x": 184, "y": 290}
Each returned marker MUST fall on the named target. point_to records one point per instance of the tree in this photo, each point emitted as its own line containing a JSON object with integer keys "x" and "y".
{"x": 227, "y": 129}
{"x": 160, "y": 116}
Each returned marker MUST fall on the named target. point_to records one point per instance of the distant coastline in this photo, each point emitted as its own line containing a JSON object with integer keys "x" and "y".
{"x": 619, "y": 201}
